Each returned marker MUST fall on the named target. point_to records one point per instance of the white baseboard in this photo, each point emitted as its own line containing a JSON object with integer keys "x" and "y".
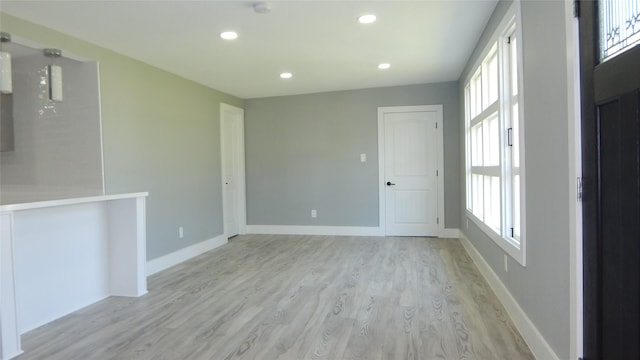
{"x": 176, "y": 257}
{"x": 315, "y": 230}
{"x": 331, "y": 230}
{"x": 449, "y": 233}
{"x": 533, "y": 338}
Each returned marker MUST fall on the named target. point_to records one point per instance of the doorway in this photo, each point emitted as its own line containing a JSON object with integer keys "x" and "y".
{"x": 410, "y": 170}
{"x": 611, "y": 178}
{"x": 233, "y": 170}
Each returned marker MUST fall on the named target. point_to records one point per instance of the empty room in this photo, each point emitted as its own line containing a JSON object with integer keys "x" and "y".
{"x": 437, "y": 179}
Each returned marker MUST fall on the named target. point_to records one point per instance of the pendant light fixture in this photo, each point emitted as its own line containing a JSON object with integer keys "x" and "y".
{"x": 6, "y": 82}
{"x": 54, "y": 75}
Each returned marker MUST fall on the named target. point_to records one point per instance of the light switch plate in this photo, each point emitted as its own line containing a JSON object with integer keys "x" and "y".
{"x": 363, "y": 157}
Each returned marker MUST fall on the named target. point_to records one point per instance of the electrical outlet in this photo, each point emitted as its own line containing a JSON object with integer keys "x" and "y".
{"x": 506, "y": 264}
{"x": 363, "y": 157}
{"x": 314, "y": 213}
{"x": 181, "y": 232}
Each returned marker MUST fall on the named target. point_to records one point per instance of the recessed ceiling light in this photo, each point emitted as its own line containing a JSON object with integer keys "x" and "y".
{"x": 367, "y": 19}
{"x": 384, "y": 66}
{"x": 229, "y": 35}
{"x": 286, "y": 75}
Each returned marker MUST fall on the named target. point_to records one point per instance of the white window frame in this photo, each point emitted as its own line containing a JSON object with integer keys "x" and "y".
{"x": 499, "y": 42}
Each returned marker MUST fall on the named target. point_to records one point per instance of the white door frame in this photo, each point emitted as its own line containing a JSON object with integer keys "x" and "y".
{"x": 439, "y": 163}
{"x": 241, "y": 206}
{"x": 576, "y": 295}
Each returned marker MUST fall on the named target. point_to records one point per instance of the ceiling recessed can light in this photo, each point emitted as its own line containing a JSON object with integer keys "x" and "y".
{"x": 286, "y": 75}
{"x": 384, "y": 66}
{"x": 229, "y": 35}
{"x": 367, "y": 19}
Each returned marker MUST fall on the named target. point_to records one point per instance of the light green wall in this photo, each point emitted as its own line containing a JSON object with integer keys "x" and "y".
{"x": 542, "y": 287}
{"x": 303, "y": 153}
{"x": 161, "y": 135}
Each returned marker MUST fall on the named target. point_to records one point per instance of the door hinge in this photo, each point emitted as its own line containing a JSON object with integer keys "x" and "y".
{"x": 508, "y": 39}
{"x": 438, "y": 220}
{"x": 509, "y": 139}
{"x": 511, "y": 229}
{"x": 436, "y": 125}
{"x": 580, "y": 188}
{"x": 437, "y": 173}
{"x": 576, "y": 8}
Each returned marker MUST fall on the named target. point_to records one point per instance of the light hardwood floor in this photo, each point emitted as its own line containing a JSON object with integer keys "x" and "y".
{"x": 298, "y": 297}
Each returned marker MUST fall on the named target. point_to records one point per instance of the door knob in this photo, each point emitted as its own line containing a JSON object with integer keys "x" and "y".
{"x": 389, "y": 183}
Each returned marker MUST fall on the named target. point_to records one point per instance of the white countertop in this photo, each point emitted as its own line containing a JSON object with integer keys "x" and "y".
{"x": 71, "y": 201}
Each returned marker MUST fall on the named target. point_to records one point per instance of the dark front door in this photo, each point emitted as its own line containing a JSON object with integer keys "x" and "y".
{"x": 611, "y": 177}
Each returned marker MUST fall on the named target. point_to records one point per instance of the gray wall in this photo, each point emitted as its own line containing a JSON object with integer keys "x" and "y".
{"x": 57, "y": 146}
{"x": 161, "y": 135}
{"x": 303, "y": 153}
{"x": 542, "y": 287}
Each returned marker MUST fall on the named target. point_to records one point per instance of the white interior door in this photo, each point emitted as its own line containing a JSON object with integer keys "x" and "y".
{"x": 233, "y": 182}
{"x": 410, "y": 173}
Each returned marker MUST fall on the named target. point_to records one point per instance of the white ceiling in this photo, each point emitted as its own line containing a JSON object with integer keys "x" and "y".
{"x": 320, "y": 42}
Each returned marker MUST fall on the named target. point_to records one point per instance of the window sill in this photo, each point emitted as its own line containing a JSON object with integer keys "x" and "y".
{"x": 517, "y": 253}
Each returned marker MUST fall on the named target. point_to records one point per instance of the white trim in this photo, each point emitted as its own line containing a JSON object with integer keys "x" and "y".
{"x": 517, "y": 252}
{"x": 382, "y": 205}
{"x": 575, "y": 170}
{"x": 10, "y": 345}
{"x": 331, "y": 230}
{"x": 184, "y": 254}
{"x": 241, "y": 216}
{"x": 523, "y": 145}
{"x": 449, "y": 233}
{"x": 71, "y": 201}
{"x": 315, "y": 230}
{"x": 439, "y": 161}
{"x": 531, "y": 335}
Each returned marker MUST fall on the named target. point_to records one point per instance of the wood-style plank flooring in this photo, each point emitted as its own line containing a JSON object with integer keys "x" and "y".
{"x": 271, "y": 297}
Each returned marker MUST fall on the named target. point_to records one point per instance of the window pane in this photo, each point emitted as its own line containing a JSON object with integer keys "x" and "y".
{"x": 492, "y": 147}
{"x": 619, "y": 26}
{"x": 478, "y": 187}
{"x": 493, "y": 219}
{"x": 475, "y": 94}
{"x": 492, "y": 202}
{"x": 469, "y": 197}
{"x": 492, "y": 79}
{"x": 471, "y": 100}
{"x": 487, "y": 197}
{"x": 467, "y": 104}
{"x": 477, "y": 91}
{"x": 476, "y": 145}
{"x": 513, "y": 57}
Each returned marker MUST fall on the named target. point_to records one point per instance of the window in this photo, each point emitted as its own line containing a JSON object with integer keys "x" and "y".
{"x": 619, "y": 26}
{"x": 493, "y": 135}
